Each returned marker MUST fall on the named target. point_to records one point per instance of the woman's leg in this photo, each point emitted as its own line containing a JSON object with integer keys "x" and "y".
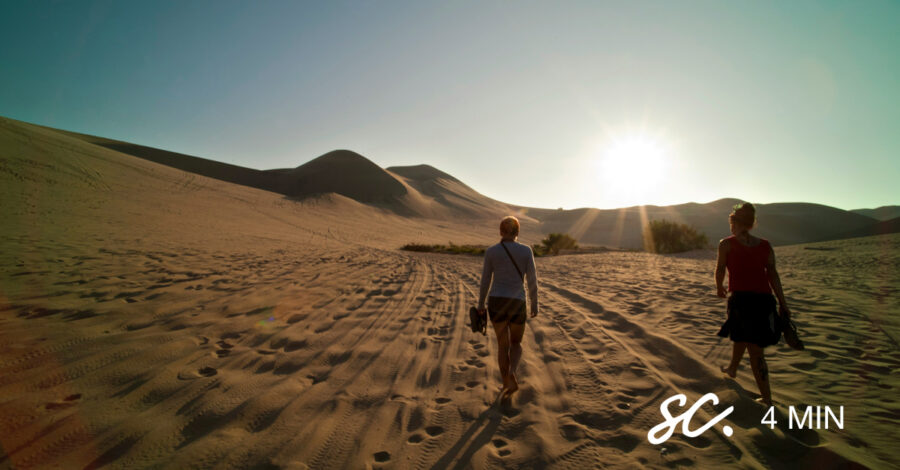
{"x": 516, "y": 332}
{"x": 737, "y": 353}
{"x": 760, "y": 372}
{"x": 502, "y": 330}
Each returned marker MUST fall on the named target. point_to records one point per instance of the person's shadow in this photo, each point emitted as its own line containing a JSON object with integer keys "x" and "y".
{"x": 470, "y": 442}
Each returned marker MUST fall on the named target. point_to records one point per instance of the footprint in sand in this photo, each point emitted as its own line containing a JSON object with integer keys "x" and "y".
{"x": 817, "y": 354}
{"x": 434, "y": 431}
{"x": 382, "y": 456}
{"x": 222, "y": 352}
{"x": 207, "y": 371}
{"x": 442, "y": 400}
{"x": 415, "y": 438}
{"x": 316, "y": 378}
{"x": 64, "y": 403}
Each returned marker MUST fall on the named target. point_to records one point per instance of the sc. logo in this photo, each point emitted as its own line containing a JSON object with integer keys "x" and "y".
{"x": 685, "y": 418}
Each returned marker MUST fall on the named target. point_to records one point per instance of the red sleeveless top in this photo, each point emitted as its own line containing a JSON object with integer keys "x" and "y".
{"x": 747, "y": 266}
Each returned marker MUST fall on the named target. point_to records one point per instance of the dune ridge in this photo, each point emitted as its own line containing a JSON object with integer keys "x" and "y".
{"x": 425, "y": 191}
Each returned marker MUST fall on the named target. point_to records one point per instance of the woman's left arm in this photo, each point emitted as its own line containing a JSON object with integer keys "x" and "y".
{"x": 775, "y": 282}
{"x": 531, "y": 275}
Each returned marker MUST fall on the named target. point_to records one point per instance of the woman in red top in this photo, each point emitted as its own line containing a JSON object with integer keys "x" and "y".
{"x": 752, "y": 320}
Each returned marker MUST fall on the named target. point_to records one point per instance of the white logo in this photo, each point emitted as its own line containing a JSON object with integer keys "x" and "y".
{"x": 685, "y": 418}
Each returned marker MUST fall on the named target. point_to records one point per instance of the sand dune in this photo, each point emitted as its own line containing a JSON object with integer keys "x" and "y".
{"x": 425, "y": 191}
{"x": 412, "y": 191}
{"x": 455, "y": 196}
{"x": 880, "y": 228}
{"x": 153, "y": 317}
{"x": 342, "y": 172}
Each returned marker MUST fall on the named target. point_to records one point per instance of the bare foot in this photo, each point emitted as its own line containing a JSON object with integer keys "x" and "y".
{"x": 763, "y": 401}
{"x": 510, "y": 385}
{"x": 731, "y": 373}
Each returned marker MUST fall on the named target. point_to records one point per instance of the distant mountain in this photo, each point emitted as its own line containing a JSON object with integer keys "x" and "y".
{"x": 879, "y": 228}
{"x": 781, "y": 223}
{"x": 425, "y": 191}
{"x": 880, "y": 213}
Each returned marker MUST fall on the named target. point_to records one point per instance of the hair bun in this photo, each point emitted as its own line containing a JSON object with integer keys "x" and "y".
{"x": 744, "y": 213}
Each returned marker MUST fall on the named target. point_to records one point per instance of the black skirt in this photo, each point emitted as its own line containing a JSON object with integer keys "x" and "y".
{"x": 752, "y": 318}
{"x": 504, "y": 309}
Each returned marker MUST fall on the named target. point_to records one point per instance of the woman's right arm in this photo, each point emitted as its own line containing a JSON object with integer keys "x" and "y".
{"x": 775, "y": 282}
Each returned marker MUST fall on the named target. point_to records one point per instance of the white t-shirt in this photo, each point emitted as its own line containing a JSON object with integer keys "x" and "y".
{"x": 500, "y": 274}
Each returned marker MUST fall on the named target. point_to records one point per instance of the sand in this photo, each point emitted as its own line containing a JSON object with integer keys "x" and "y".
{"x": 151, "y": 317}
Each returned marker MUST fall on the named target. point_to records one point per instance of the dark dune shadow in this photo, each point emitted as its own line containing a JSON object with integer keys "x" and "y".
{"x": 201, "y": 166}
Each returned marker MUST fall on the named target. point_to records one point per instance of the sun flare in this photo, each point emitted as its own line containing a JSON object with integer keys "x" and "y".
{"x": 634, "y": 164}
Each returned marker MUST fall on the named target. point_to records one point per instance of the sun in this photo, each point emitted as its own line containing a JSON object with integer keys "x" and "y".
{"x": 633, "y": 164}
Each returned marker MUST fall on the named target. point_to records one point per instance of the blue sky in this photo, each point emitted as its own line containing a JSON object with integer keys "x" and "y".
{"x": 550, "y": 104}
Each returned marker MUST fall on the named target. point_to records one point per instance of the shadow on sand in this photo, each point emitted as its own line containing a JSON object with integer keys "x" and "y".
{"x": 472, "y": 440}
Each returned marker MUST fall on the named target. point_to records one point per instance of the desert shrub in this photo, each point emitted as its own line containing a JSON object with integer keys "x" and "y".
{"x": 557, "y": 241}
{"x": 451, "y": 248}
{"x": 663, "y": 236}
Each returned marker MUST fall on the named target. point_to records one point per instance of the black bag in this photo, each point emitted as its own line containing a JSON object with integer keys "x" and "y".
{"x": 478, "y": 322}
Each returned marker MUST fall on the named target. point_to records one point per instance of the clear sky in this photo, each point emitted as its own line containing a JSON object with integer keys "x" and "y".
{"x": 548, "y": 104}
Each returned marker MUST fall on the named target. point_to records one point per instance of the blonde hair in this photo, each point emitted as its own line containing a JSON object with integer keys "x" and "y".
{"x": 509, "y": 226}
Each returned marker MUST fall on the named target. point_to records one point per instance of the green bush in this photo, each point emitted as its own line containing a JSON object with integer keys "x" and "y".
{"x": 556, "y": 242}
{"x": 452, "y": 248}
{"x": 662, "y": 236}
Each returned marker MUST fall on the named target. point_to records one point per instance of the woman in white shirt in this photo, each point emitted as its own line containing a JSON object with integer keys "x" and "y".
{"x": 505, "y": 265}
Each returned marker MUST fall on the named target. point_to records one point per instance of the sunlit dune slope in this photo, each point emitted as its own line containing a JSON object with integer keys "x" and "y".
{"x": 56, "y": 186}
{"x": 451, "y": 193}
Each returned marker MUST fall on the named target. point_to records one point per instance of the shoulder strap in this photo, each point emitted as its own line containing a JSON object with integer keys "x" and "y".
{"x": 511, "y": 259}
